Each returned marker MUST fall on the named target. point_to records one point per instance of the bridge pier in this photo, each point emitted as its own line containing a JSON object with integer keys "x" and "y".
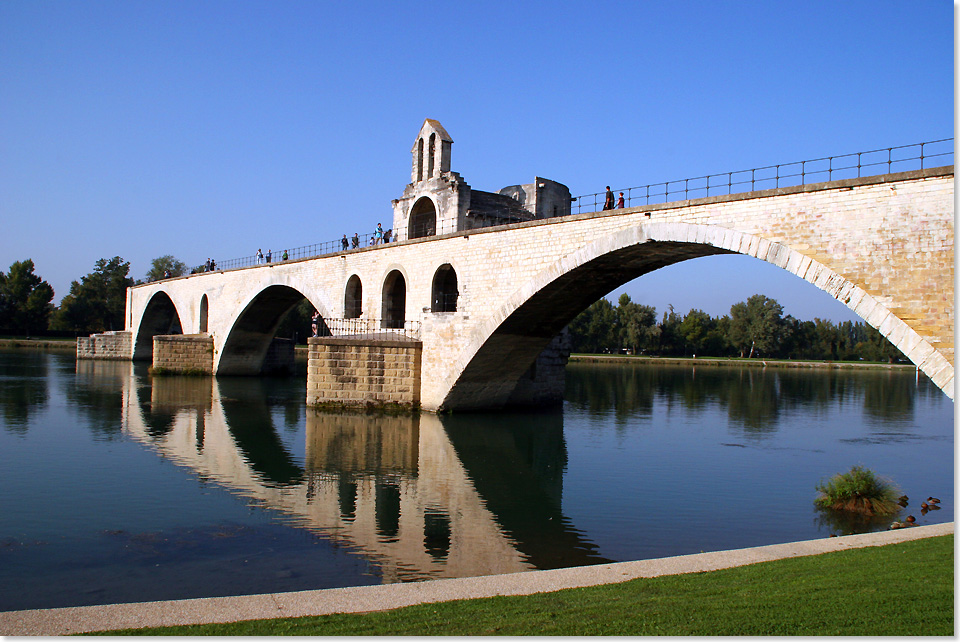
{"x": 363, "y": 372}
{"x": 106, "y": 345}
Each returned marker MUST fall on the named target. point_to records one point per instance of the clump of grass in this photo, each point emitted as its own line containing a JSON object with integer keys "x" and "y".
{"x": 859, "y": 491}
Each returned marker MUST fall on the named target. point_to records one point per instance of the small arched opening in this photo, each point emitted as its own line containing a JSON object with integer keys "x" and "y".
{"x": 204, "y": 313}
{"x": 352, "y": 298}
{"x": 433, "y": 152}
{"x": 419, "y": 160}
{"x": 394, "y": 300}
{"x": 423, "y": 219}
{"x": 444, "y": 292}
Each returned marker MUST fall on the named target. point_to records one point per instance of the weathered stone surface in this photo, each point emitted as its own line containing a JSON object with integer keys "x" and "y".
{"x": 181, "y": 353}
{"x": 374, "y": 372}
{"x": 108, "y": 345}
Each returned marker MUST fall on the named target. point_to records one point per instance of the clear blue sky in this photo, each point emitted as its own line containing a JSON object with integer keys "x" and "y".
{"x": 213, "y": 128}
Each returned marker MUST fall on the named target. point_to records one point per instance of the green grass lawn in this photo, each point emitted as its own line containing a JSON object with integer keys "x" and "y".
{"x": 900, "y": 589}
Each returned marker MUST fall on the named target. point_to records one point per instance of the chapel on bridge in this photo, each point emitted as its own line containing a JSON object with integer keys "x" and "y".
{"x": 438, "y": 200}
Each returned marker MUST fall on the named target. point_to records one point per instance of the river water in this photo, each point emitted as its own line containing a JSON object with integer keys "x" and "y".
{"x": 121, "y": 487}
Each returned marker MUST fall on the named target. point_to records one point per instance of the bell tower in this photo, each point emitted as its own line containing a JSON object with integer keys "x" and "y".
{"x": 436, "y": 199}
{"x": 431, "y": 152}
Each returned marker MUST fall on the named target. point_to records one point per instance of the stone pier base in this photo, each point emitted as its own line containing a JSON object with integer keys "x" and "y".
{"x": 363, "y": 372}
{"x": 183, "y": 354}
{"x": 107, "y": 345}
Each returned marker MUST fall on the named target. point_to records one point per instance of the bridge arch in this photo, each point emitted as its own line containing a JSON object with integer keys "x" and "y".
{"x": 160, "y": 316}
{"x": 247, "y": 340}
{"x": 501, "y": 349}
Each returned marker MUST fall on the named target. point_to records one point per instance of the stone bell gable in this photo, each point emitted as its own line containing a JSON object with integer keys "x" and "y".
{"x": 438, "y": 200}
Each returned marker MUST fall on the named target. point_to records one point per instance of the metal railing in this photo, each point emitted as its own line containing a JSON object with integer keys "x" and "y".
{"x": 870, "y": 163}
{"x": 380, "y": 329}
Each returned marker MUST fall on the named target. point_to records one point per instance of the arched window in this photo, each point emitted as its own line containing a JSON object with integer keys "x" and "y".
{"x": 352, "y": 298}
{"x": 423, "y": 219}
{"x": 204, "y": 313}
{"x": 444, "y": 293}
{"x": 420, "y": 160}
{"x": 394, "y": 300}
{"x": 433, "y": 151}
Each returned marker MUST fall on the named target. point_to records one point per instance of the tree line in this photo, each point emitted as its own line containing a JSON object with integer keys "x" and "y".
{"x": 95, "y": 303}
{"x": 754, "y": 328}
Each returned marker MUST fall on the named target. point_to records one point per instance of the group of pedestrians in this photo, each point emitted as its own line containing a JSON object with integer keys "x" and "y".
{"x": 608, "y": 203}
{"x": 347, "y": 244}
{"x": 269, "y": 256}
{"x": 379, "y": 237}
{"x": 210, "y": 265}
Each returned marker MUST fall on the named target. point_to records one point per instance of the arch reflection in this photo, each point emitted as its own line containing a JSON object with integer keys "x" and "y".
{"x": 420, "y": 496}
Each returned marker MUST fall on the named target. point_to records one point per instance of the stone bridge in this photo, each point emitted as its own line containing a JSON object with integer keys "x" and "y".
{"x": 489, "y": 301}
{"x": 490, "y": 280}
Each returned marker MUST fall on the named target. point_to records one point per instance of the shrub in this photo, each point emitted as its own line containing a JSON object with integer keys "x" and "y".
{"x": 858, "y": 491}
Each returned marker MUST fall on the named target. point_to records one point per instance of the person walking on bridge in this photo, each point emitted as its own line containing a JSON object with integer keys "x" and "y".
{"x": 620, "y": 202}
{"x": 608, "y": 203}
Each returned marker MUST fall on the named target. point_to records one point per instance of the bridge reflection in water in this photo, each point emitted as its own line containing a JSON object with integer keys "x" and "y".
{"x": 419, "y": 496}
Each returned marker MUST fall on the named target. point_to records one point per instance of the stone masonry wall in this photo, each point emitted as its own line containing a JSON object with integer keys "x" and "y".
{"x": 359, "y": 372}
{"x": 183, "y": 353}
{"x": 107, "y": 345}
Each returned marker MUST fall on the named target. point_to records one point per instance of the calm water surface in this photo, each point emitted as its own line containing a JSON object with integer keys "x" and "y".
{"x": 119, "y": 487}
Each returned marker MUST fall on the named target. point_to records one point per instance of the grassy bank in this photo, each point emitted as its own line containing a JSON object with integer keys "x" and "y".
{"x": 900, "y": 589}
{"x": 733, "y": 361}
{"x": 66, "y": 344}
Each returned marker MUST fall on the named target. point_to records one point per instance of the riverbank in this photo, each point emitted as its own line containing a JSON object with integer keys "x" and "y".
{"x": 301, "y": 351}
{"x": 736, "y": 362}
{"x": 65, "y": 345}
{"x": 896, "y": 585}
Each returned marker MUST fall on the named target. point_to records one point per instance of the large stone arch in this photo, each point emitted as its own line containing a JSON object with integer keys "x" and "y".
{"x": 160, "y": 316}
{"x": 500, "y": 349}
{"x": 245, "y": 346}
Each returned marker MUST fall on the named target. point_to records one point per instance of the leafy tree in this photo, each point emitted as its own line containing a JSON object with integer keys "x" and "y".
{"x": 24, "y": 299}
{"x": 757, "y": 324}
{"x": 695, "y": 329}
{"x": 297, "y": 324}
{"x": 165, "y": 267}
{"x": 594, "y": 329}
{"x": 671, "y": 340}
{"x": 638, "y": 325}
{"x": 98, "y": 301}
